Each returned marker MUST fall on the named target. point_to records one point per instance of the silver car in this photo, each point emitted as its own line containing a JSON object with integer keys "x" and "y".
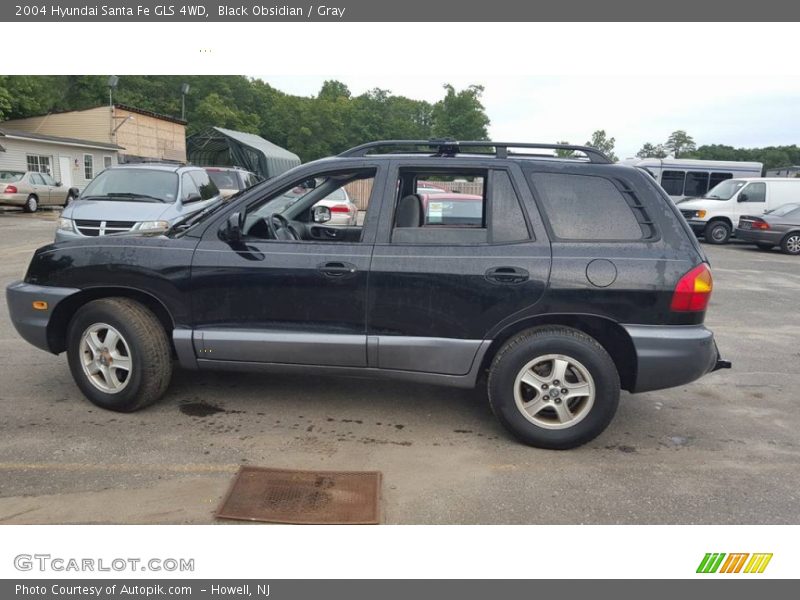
{"x": 343, "y": 210}
{"x": 777, "y": 227}
{"x": 29, "y": 190}
{"x": 136, "y": 198}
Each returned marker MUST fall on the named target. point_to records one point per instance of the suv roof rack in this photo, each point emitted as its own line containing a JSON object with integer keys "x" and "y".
{"x": 450, "y": 147}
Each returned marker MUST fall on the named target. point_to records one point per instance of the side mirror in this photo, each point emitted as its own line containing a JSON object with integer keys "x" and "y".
{"x": 232, "y": 230}
{"x": 321, "y": 214}
{"x": 310, "y": 184}
{"x": 192, "y": 198}
{"x": 742, "y": 197}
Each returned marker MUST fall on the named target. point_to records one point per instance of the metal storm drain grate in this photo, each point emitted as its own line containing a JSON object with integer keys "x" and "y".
{"x": 303, "y": 497}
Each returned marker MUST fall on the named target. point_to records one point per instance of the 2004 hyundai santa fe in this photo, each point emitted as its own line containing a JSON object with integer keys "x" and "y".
{"x": 563, "y": 280}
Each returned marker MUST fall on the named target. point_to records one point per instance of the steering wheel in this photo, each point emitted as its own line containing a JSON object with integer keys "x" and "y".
{"x": 280, "y": 228}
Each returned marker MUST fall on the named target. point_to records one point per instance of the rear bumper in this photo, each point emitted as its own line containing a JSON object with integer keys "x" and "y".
{"x": 29, "y": 322}
{"x": 669, "y": 356}
{"x": 759, "y": 236}
{"x": 13, "y": 199}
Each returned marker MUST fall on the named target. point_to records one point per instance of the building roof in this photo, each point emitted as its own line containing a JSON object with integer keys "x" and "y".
{"x": 52, "y": 139}
{"x": 218, "y": 146}
{"x": 150, "y": 113}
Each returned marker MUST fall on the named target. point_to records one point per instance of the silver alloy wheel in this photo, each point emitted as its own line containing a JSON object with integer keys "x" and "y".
{"x": 31, "y": 204}
{"x": 106, "y": 358}
{"x": 793, "y": 244}
{"x": 554, "y": 391}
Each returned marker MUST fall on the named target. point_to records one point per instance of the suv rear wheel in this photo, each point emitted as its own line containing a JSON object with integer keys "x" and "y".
{"x": 119, "y": 354}
{"x": 554, "y": 387}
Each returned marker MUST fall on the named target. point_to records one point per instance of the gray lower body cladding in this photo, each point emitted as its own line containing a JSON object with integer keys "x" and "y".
{"x": 669, "y": 356}
{"x": 31, "y": 323}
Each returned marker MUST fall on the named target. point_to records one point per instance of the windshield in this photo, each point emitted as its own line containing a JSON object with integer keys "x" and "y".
{"x": 152, "y": 185}
{"x": 9, "y": 176}
{"x": 725, "y": 190}
{"x": 784, "y": 210}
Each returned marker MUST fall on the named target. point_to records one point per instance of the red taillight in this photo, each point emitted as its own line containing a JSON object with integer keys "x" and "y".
{"x": 11, "y": 189}
{"x": 760, "y": 225}
{"x": 693, "y": 290}
{"x": 340, "y": 208}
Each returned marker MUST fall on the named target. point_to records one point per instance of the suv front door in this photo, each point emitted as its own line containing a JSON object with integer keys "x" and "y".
{"x": 283, "y": 301}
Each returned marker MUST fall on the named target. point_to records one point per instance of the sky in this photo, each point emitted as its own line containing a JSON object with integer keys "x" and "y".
{"x": 741, "y": 111}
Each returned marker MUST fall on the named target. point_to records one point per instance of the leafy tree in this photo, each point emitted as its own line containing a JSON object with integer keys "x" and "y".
{"x": 603, "y": 143}
{"x": 651, "y": 151}
{"x": 460, "y": 115}
{"x": 680, "y": 143}
{"x": 564, "y": 153}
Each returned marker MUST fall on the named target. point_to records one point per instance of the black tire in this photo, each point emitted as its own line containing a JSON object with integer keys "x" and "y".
{"x": 31, "y": 204}
{"x": 763, "y": 246}
{"x": 790, "y": 244}
{"x": 150, "y": 356}
{"x": 718, "y": 232}
{"x": 573, "y": 344}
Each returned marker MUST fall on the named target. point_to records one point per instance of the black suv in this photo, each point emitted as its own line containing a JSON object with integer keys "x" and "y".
{"x": 563, "y": 280}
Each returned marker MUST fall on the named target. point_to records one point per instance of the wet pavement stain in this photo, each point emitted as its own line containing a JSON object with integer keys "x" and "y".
{"x": 200, "y": 409}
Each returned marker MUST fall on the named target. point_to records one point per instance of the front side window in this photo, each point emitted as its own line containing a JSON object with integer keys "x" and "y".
{"x": 755, "y": 192}
{"x": 36, "y": 179}
{"x": 204, "y": 184}
{"x": 672, "y": 182}
{"x": 344, "y": 197}
{"x": 47, "y": 179}
{"x": 88, "y": 166}
{"x": 585, "y": 207}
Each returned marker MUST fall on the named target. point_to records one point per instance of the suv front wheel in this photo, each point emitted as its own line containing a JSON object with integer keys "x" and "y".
{"x": 119, "y": 354}
{"x": 554, "y": 387}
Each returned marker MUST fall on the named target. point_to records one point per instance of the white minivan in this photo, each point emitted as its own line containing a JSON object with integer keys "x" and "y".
{"x": 717, "y": 213}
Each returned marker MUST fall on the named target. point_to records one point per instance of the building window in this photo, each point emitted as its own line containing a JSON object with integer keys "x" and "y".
{"x": 39, "y": 164}
{"x": 88, "y": 166}
{"x": 106, "y": 162}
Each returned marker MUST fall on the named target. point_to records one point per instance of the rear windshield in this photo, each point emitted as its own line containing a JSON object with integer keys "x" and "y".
{"x": 9, "y": 176}
{"x": 134, "y": 185}
{"x": 784, "y": 210}
{"x": 224, "y": 180}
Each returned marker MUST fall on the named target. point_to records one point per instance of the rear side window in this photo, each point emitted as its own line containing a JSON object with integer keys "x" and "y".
{"x": 717, "y": 178}
{"x": 585, "y": 207}
{"x": 508, "y": 222}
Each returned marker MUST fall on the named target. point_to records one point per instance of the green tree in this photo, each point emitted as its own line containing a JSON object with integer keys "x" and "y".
{"x": 560, "y": 153}
{"x": 460, "y": 115}
{"x": 602, "y": 142}
{"x": 680, "y": 143}
{"x": 651, "y": 151}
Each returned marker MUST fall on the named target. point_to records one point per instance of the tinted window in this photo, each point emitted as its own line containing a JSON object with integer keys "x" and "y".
{"x": 189, "y": 188}
{"x": 205, "y": 185}
{"x": 672, "y": 182}
{"x": 756, "y": 192}
{"x": 508, "y": 222}
{"x": 717, "y": 178}
{"x": 585, "y": 207}
{"x": 696, "y": 183}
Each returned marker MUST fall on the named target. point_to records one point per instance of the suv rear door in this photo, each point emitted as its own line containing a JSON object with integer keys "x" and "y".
{"x": 438, "y": 291}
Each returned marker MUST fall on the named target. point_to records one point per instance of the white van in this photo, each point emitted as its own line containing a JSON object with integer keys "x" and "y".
{"x": 717, "y": 213}
{"x": 687, "y": 178}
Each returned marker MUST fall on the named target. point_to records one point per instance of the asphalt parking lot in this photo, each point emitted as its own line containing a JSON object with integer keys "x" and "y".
{"x": 722, "y": 450}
